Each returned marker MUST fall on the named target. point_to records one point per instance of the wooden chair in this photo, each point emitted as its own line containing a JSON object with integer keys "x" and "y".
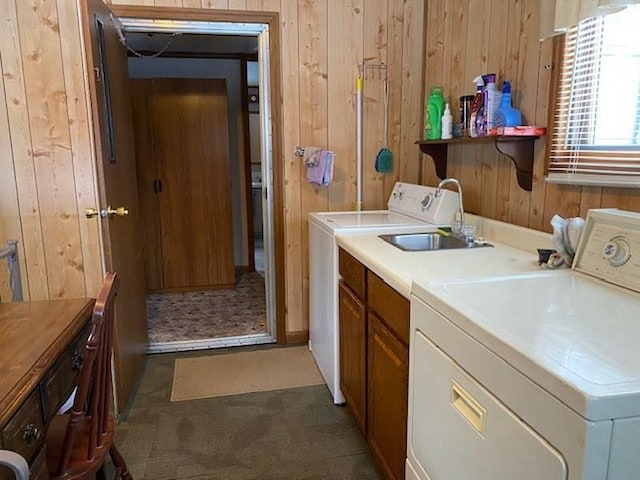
{"x": 78, "y": 442}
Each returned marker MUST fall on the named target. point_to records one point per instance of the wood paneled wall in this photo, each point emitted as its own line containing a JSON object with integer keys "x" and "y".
{"x": 47, "y": 176}
{"x": 45, "y": 147}
{"x": 466, "y": 38}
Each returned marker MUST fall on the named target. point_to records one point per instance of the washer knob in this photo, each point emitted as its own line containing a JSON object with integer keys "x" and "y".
{"x": 426, "y": 202}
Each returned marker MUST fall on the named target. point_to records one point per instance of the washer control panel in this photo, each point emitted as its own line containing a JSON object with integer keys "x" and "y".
{"x": 421, "y": 202}
{"x": 609, "y": 247}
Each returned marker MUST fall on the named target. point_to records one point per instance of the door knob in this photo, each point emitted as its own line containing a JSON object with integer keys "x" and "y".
{"x": 118, "y": 211}
{"x": 94, "y": 212}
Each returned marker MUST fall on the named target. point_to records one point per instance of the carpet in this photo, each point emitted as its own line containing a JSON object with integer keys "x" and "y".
{"x": 244, "y": 372}
{"x": 209, "y": 314}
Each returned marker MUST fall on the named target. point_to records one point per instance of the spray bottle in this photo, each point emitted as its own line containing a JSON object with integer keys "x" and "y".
{"x": 477, "y": 128}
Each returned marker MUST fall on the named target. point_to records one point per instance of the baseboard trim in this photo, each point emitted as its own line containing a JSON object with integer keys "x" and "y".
{"x": 299, "y": 336}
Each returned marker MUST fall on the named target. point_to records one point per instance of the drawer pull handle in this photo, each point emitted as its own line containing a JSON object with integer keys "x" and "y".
{"x": 77, "y": 359}
{"x": 31, "y": 433}
{"x": 468, "y": 407}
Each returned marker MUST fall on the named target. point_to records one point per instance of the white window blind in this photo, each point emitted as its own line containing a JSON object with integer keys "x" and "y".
{"x": 596, "y": 130}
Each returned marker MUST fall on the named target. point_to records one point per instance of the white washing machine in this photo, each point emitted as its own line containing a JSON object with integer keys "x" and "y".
{"x": 412, "y": 208}
{"x": 535, "y": 376}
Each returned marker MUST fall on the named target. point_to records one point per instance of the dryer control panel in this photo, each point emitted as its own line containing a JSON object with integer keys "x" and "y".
{"x": 609, "y": 247}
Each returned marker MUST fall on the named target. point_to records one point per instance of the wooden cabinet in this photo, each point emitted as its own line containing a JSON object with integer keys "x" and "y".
{"x": 184, "y": 182}
{"x": 374, "y": 361}
{"x": 38, "y": 372}
{"x": 353, "y": 335}
{"x": 387, "y": 395}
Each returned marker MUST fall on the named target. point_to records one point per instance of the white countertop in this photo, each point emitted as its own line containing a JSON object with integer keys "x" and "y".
{"x": 513, "y": 251}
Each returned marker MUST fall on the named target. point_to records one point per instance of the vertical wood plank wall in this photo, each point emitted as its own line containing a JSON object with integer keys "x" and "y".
{"x": 47, "y": 176}
{"x": 465, "y": 38}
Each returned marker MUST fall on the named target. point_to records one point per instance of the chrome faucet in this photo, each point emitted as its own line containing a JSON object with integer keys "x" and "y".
{"x": 459, "y": 230}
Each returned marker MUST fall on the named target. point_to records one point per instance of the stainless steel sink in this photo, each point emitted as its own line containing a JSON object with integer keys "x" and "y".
{"x": 420, "y": 242}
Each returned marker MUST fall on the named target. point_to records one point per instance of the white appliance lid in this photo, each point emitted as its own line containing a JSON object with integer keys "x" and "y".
{"x": 575, "y": 336}
{"x": 372, "y": 218}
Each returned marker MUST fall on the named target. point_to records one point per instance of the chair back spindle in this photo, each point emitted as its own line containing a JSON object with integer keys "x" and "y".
{"x": 91, "y": 405}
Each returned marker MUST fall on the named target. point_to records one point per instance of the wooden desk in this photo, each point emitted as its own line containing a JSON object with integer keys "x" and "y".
{"x": 41, "y": 350}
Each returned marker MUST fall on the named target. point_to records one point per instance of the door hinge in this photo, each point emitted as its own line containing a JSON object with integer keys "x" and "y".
{"x": 98, "y": 73}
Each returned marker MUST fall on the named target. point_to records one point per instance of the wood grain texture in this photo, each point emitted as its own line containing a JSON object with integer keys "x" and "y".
{"x": 345, "y": 20}
{"x": 26, "y": 357}
{"x": 374, "y": 52}
{"x": 147, "y": 178}
{"x": 35, "y": 283}
{"x": 501, "y": 37}
{"x": 193, "y": 165}
{"x": 306, "y": 36}
{"x": 51, "y": 146}
{"x": 293, "y": 171}
{"x": 10, "y": 228}
{"x": 81, "y": 151}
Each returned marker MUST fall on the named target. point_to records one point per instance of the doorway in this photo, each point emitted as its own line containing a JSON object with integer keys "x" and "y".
{"x": 195, "y": 41}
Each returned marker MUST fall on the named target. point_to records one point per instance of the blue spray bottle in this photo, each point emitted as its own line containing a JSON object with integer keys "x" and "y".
{"x": 507, "y": 116}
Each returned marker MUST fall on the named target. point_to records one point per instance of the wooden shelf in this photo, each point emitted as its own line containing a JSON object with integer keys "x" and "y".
{"x": 519, "y": 148}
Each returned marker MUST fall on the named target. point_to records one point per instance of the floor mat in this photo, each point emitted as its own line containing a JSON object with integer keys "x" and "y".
{"x": 244, "y": 372}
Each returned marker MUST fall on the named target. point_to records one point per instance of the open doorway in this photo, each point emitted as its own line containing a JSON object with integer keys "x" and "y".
{"x": 208, "y": 200}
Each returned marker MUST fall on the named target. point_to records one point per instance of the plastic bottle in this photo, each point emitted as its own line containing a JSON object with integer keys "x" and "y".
{"x": 434, "y": 111}
{"x": 465, "y": 114}
{"x": 447, "y": 123}
{"x": 476, "y": 122}
{"x": 507, "y": 116}
{"x": 491, "y": 102}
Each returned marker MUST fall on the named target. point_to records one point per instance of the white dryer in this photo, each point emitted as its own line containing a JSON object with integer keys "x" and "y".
{"x": 412, "y": 208}
{"x": 535, "y": 376}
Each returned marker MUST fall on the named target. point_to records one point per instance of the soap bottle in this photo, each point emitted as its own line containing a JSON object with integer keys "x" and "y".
{"x": 476, "y": 122}
{"x": 447, "y": 123}
{"x": 507, "y": 116}
{"x": 434, "y": 111}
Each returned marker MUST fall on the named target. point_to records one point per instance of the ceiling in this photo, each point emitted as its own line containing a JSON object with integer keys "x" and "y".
{"x": 194, "y": 43}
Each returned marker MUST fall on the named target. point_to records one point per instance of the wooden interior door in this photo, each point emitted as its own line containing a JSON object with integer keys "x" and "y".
{"x": 187, "y": 123}
{"x": 116, "y": 171}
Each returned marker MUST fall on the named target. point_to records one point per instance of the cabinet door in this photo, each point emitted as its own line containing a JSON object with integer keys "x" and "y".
{"x": 353, "y": 336}
{"x": 387, "y": 393}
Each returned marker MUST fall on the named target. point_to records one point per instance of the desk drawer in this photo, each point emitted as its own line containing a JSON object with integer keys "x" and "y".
{"x": 25, "y": 430}
{"x": 61, "y": 379}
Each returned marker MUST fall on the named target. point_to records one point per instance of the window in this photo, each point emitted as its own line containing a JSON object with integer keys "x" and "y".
{"x": 596, "y": 127}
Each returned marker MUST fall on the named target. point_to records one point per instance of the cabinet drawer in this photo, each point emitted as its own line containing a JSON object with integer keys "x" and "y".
{"x": 392, "y": 307}
{"x": 25, "y": 430}
{"x": 38, "y": 470}
{"x": 352, "y": 272}
{"x": 60, "y": 380}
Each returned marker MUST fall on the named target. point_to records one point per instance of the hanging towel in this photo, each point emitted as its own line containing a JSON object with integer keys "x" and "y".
{"x": 312, "y": 156}
{"x": 328, "y": 171}
{"x": 322, "y": 172}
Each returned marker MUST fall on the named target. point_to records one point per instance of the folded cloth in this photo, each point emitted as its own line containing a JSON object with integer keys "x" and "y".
{"x": 311, "y": 156}
{"x": 315, "y": 173}
{"x": 328, "y": 171}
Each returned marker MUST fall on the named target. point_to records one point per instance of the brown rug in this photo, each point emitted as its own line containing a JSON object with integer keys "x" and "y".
{"x": 236, "y": 373}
